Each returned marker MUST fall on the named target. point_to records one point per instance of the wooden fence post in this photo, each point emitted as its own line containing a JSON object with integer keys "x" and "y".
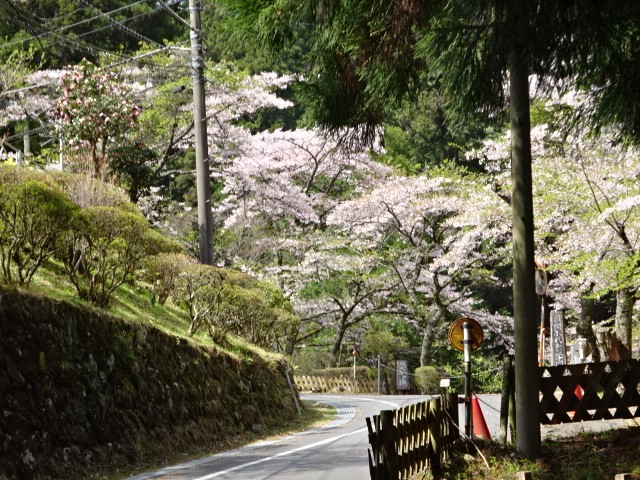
{"x": 504, "y": 400}
{"x": 389, "y": 452}
{"x": 512, "y": 403}
{"x": 435, "y": 412}
{"x": 451, "y": 419}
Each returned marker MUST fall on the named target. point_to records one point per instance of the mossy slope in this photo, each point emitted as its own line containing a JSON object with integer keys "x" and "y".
{"x": 80, "y": 389}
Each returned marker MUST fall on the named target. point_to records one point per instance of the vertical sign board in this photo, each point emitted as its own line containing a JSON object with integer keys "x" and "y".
{"x": 402, "y": 375}
{"x": 558, "y": 346}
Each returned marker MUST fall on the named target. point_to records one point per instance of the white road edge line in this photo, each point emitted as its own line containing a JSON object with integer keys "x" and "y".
{"x": 343, "y": 418}
{"x": 281, "y": 454}
{"x": 358, "y": 399}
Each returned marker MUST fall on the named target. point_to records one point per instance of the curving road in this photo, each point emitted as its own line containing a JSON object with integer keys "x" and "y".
{"x": 336, "y": 451}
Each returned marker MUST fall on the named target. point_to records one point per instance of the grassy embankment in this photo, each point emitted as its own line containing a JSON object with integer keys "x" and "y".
{"x": 133, "y": 303}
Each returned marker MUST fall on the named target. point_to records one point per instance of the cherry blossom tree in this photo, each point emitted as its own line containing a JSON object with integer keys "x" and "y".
{"x": 95, "y": 109}
{"x": 438, "y": 232}
{"x": 586, "y": 200}
{"x": 595, "y": 247}
{"x": 280, "y": 188}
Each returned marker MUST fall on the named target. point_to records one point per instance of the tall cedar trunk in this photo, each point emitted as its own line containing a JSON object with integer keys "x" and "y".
{"x": 585, "y": 324}
{"x": 524, "y": 294}
{"x": 625, "y": 299}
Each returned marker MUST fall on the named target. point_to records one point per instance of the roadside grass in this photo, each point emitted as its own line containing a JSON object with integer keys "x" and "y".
{"x": 313, "y": 415}
{"x": 584, "y": 457}
{"x": 130, "y": 302}
{"x": 588, "y": 456}
{"x": 133, "y": 303}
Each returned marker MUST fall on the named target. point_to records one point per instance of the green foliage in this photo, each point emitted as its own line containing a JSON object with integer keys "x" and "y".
{"x": 163, "y": 271}
{"x": 427, "y": 379}
{"x": 486, "y": 372}
{"x": 33, "y": 216}
{"x": 133, "y": 165}
{"x": 419, "y": 134}
{"x": 383, "y": 343}
{"x": 225, "y": 301}
{"x": 103, "y": 250}
{"x": 85, "y": 191}
{"x": 228, "y": 38}
{"x": 269, "y": 316}
{"x": 15, "y": 65}
{"x": 307, "y": 360}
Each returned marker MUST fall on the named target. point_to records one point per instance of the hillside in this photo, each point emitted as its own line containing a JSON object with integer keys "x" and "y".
{"x": 82, "y": 390}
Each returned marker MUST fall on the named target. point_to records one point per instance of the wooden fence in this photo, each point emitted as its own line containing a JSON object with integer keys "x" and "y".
{"x": 589, "y": 391}
{"x": 336, "y": 384}
{"x": 411, "y": 439}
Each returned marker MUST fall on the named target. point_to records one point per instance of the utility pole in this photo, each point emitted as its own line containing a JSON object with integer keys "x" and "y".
{"x": 203, "y": 185}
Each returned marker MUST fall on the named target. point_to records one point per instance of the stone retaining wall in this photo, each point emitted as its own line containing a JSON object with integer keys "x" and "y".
{"x": 80, "y": 389}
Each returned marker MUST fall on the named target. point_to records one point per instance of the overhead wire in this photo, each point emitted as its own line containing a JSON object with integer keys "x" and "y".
{"x": 121, "y": 26}
{"x": 45, "y": 32}
{"x": 66, "y": 27}
{"x": 176, "y": 16}
{"x": 79, "y": 45}
{"x": 94, "y": 49}
{"x": 46, "y": 127}
{"x": 128, "y": 19}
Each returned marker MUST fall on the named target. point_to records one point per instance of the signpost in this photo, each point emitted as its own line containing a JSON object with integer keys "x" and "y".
{"x": 355, "y": 380}
{"x": 466, "y": 334}
{"x": 402, "y": 375}
{"x": 558, "y": 348}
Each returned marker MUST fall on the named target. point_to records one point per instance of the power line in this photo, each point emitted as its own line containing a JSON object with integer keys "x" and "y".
{"x": 105, "y": 27}
{"x": 66, "y": 27}
{"x": 94, "y": 50}
{"x": 69, "y": 41}
{"x": 174, "y": 14}
{"x": 121, "y": 26}
{"x": 147, "y": 54}
{"x": 115, "y": 64}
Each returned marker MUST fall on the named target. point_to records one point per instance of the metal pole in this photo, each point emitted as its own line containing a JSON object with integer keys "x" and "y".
{"x": 542, "y": 331}
{"x": 354, "y": 368}
{"x": 378, "y": 374}
{"x": 466, "y": 341}
{"x": 26, "y": 141}
{"x": 203, "y": 185}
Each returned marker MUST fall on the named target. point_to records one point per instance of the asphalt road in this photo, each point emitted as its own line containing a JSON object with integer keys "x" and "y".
{"x": 336, "y": 451}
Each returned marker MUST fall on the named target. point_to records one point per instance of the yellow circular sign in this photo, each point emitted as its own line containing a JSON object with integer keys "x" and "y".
{"x": 456, "y": 333}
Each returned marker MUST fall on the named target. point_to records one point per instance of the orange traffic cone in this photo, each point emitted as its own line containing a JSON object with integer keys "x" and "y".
{"x": 479, "y": 424}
